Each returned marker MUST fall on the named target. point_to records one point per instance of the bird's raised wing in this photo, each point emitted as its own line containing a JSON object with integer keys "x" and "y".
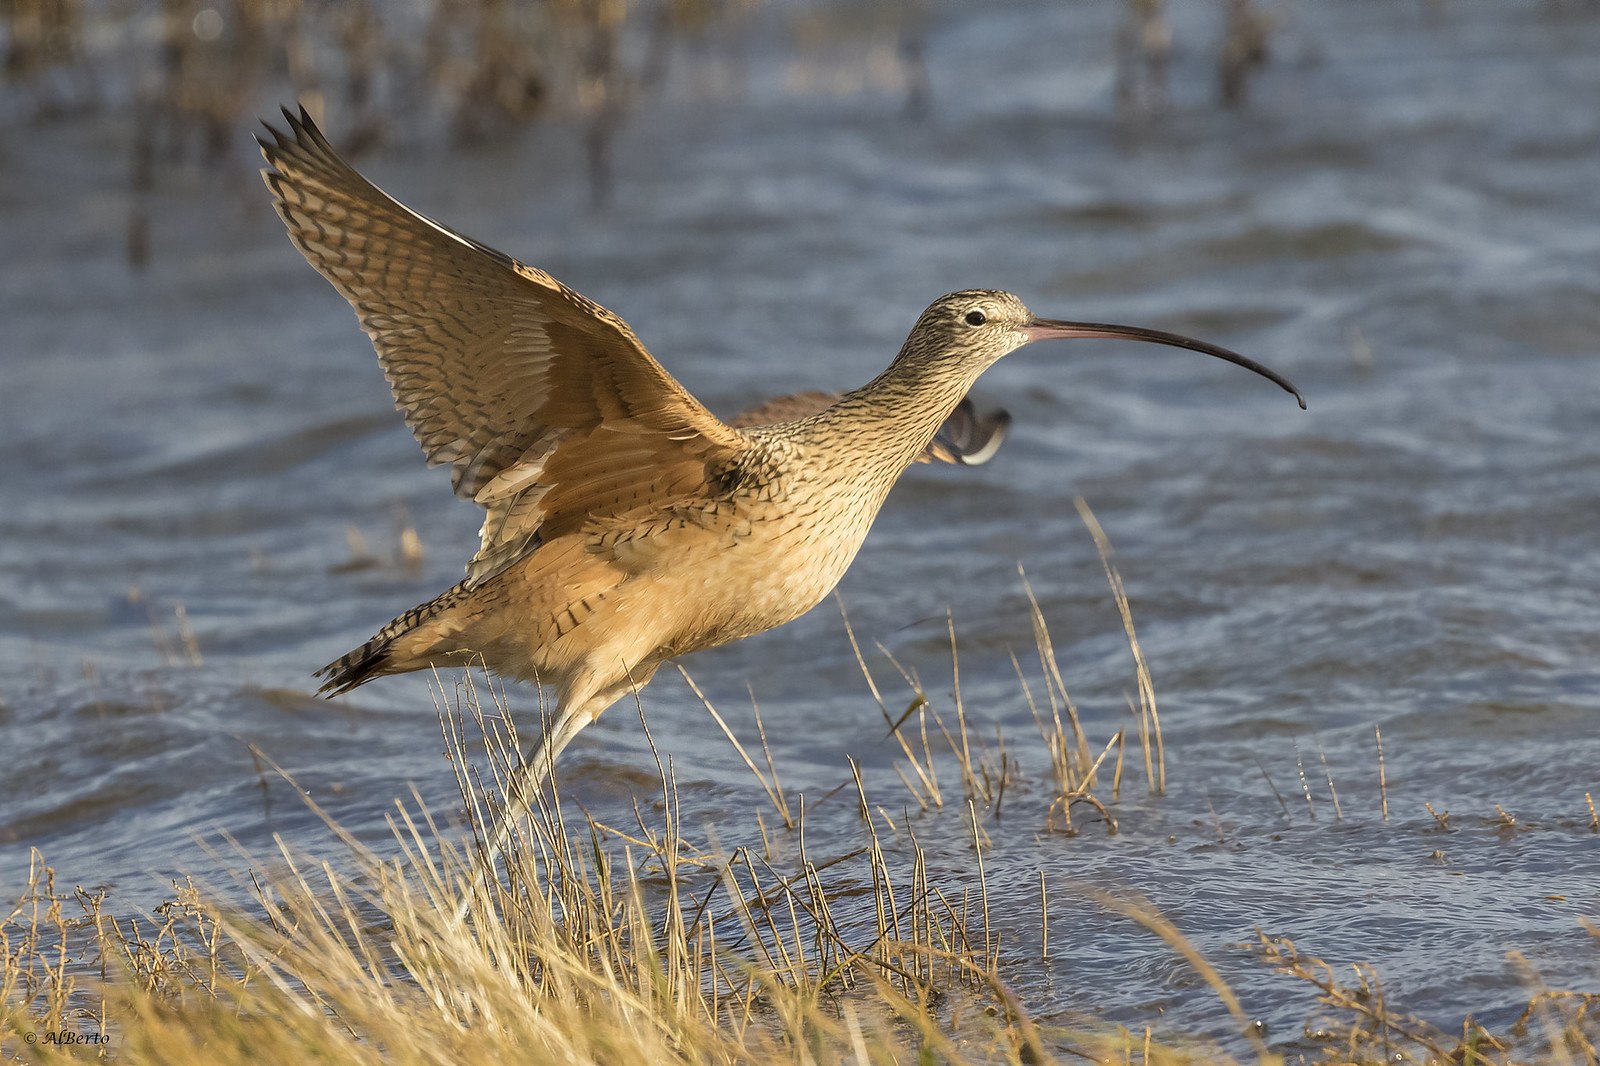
{"x": 965, "y": 439}
{"x": 544, "y": 404}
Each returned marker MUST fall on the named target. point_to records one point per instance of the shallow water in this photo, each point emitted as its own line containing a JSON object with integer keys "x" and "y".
{"x": 1405, "y": 221}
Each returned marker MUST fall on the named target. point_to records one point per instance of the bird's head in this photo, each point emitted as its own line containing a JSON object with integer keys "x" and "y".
{"x": 969, "y": 330}
{"x": 964, "y": 333}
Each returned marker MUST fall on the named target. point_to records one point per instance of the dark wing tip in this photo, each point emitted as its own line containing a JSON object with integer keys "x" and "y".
{"x": 303, "y": 135}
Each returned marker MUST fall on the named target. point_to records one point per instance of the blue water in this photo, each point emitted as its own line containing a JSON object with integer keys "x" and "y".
{"x": 1405, "y": 220}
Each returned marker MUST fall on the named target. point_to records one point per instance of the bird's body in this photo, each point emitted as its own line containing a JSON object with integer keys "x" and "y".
{"x": 624, "y": 524}
{"x": 594, "y": 611}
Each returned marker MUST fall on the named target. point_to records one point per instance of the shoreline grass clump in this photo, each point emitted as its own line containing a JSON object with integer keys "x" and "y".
{"x": 591, "y": 942}
{"x": 985, "y": 769}
{"x": 598, "y": 942}
{"x": 595, "y": 942}
{"x": 652, "y": 942}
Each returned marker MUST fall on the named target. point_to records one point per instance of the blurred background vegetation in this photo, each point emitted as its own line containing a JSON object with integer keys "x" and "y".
{"x": 189, "y": 75}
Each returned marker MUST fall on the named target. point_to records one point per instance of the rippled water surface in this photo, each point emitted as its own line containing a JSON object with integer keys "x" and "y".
{"x": 1405, "y": 220}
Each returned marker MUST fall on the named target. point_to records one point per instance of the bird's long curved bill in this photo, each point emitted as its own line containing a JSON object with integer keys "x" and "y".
{"x": 1044, "y": 329}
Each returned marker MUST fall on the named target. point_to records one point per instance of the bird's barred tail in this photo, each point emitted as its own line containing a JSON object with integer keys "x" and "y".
{"x": 375, "y": 658}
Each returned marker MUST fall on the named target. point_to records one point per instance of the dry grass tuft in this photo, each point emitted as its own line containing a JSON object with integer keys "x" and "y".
{"x": 927, "y": 737}
{"x": 594, "y": 944}
{"x": 598, "y": 943}
{"x": 1559, "y": 1028}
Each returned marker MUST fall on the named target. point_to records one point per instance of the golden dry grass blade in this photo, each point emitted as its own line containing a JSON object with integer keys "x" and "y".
{"x": 1140, "y": 910}
{"x": 769, "y": 786}
{"x": 1147, "y": 691}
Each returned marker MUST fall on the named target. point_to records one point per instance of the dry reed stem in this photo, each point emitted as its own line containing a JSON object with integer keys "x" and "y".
{"x": 1333, "y": 793}
{"x": 1044, "y": 921}
{"x": 1383, "y": 775}
{"x": 769, "y": 785}
{"x": 1147, "y": 691}
{"x": 964, "y": 753}
{"x": 929, "y": 793}
{"x": 1133, "y": 906}
{"x": 1052, "y": 671}
{"x": 1376, "y": 1029}
{"x": 1282, "y": 803}
{"x": 1443, "y": 820}
{"x": 1305, "y": 782}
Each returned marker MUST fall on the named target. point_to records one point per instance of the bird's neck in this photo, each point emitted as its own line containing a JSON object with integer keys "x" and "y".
{"x": 893, "y": 417}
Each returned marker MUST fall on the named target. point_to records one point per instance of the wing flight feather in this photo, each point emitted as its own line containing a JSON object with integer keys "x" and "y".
{"x": 545, "y": 406}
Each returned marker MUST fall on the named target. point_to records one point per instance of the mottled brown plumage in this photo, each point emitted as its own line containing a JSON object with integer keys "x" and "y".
{"x": 966, "y": 438}
{"x": 624, "y": 523}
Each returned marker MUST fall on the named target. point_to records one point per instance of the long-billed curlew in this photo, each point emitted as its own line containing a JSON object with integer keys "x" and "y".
{"x": 625, "y": 524}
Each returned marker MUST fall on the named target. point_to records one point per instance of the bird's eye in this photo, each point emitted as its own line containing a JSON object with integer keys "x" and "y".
{"x": 976, "y": 318}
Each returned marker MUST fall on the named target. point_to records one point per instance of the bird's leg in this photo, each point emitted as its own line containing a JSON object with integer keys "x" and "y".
{"x": 529, "y": 776}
